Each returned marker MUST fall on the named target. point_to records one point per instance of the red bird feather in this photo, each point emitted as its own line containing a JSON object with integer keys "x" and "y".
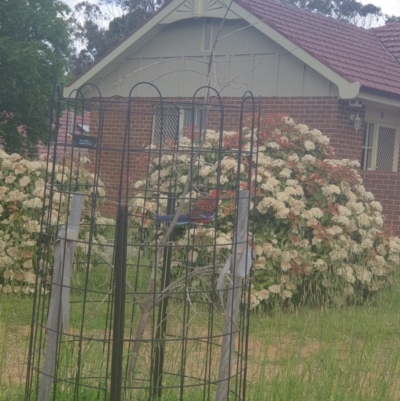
{"x": 203, "y": 211}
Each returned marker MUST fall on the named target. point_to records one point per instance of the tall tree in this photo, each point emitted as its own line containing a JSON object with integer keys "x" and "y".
{"x": 392, "y": 18}
{"x": 33, "y": 53}
{"x": 351, "y": 11}
{"x": 97, "y": 29}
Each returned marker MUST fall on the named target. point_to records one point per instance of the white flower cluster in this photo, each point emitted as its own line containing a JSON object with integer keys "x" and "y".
{"x": 23, "y": 198}
{"x": 314, "y": 220}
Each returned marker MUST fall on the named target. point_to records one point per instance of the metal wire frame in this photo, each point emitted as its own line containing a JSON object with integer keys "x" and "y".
{"x": 110, "y": 296}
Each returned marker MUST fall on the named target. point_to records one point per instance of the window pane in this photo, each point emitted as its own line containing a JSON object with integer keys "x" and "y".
{"x": 198, "y": 117}
{"x": 187, "y": 118}
{"x": 170, "y": 126}
{"x": 385, "y": 150}
{"x": 370, "y": 135}
{"x": 365, "y": 135}
{"x": 207, "y": 33}
{"x": 368, "y": 159}
{"x": 362, "y": 163}
{"x": 367, "y": 145}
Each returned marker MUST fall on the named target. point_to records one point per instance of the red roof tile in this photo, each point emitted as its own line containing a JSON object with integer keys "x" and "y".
{"x": 370, "y": 57}
{"x": 389, "y": 36}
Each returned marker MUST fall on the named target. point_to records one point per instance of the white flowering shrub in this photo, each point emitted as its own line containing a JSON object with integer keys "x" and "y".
{"x": 318, "y": 234}
{"x": 22, "y": 189}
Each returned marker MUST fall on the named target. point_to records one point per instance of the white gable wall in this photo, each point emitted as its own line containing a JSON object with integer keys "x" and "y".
{"x": 174, "y": 60}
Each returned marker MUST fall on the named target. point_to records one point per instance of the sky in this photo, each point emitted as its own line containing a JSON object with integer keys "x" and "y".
{"x": 388, "y": 6}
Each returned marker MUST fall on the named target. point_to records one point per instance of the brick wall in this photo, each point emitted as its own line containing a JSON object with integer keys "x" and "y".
{"x": 332, "y": 117}
{"x": 345, "y": 140}
{"x": 328, "y": 114}
{"x": 386, "y": 188}
{"x": 120, "y": 145}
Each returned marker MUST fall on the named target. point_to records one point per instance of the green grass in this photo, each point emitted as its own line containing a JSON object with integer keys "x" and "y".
{"x": 15, "y": 315}
{"x": 338, "y": 354}
{"x": 343, "y": 354}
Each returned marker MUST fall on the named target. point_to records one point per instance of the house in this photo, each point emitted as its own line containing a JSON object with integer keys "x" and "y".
{"x": 330, "y": 75}
{"x": 66, "y": 122}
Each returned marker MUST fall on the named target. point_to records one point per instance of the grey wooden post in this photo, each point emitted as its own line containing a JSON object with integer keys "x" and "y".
{"x": 58, "y": 317}
{"x": 239, "y": 267}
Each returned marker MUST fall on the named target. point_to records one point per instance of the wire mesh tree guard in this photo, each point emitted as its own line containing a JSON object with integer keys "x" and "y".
{"x": 143, "y": 262}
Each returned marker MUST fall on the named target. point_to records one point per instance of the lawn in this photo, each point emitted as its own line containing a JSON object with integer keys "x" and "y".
{"x": 333, "y": 354}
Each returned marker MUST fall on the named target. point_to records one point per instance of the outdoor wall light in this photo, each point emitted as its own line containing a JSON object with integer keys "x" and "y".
{"x": 356, "y": 120}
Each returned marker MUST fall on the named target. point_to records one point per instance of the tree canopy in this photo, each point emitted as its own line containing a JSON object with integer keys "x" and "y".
{"x": 97, "y": 31}
{"x": 34, "y": 44}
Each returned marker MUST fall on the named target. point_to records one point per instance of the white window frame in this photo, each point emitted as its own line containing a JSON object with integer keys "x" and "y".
{"x": 183, "y": 109}
{"x": 365, "y": 147}
{"x": 377, "y": 126}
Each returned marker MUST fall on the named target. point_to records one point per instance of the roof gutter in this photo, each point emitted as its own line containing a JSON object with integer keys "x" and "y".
{"x": 381, "y": 97}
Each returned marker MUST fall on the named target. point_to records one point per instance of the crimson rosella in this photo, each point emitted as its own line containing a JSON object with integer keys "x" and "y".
{"x": 203, "y": 211}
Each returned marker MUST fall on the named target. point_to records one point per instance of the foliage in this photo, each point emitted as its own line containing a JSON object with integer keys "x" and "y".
{"x": 22, "y": 189}
{"x": 89, "y": 27}
{"x": 33, "y": 52}
{"x": 319, "y": 235}
{"x": 392, "y": 18}
{"x": 351, "y": 11}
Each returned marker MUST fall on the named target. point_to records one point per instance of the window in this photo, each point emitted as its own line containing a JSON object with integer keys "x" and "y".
{"x": 174, "y": 119}
{"x": 207, "y": 34}
{"x": 367, "y": 148}
{"x": 380, "y": 147}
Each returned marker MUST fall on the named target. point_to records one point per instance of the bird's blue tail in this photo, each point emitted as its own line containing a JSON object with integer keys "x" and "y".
{"x": 167, "y": 218}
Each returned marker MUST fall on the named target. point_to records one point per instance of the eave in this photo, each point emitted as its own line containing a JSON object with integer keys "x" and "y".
{"x": 175, "y": 11}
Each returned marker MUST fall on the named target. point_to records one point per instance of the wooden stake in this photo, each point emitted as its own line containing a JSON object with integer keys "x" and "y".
{"x": 240, "y": 266}
{"x": 58, "y": 318}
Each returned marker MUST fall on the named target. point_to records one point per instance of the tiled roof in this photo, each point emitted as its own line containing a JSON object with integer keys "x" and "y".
{"x": 389, "y": 35}
{"x": 370, "y": 57}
